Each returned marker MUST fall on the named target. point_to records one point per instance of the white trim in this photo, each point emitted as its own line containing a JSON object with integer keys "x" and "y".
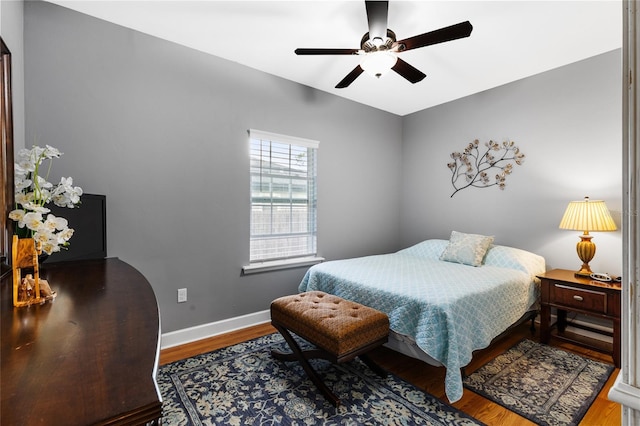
{"x": 275, "y": 265}
{"x": 625, "y": 394}
{"x": 623, "y": 390}
{"x": 192, "y": 334}
{"x": 588, "y": 333}
{"x": 274, "y": 137}
{"x": 204, "y": 331}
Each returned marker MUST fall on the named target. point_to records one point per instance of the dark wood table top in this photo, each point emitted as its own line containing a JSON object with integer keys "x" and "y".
{"x": 569, "y": 276}
{"x": 88, "y": 357}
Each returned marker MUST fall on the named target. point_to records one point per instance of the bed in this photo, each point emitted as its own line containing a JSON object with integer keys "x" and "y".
{"x": 439, "y": 310}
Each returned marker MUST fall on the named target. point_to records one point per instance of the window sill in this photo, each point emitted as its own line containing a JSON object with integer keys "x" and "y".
{"x": 275, "y": 265}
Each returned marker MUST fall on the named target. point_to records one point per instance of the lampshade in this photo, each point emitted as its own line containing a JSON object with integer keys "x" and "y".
{"x": 378, "y": 63}
{"x": 587, "y": 215}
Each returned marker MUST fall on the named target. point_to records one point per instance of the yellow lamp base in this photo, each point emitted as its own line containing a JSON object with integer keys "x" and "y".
{"x": 586, "y": 251}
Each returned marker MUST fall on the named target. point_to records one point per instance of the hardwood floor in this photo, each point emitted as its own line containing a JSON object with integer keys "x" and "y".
{"x": 602, "y": 412}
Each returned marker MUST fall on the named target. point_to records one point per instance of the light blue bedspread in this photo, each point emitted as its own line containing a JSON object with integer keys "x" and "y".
{"x": 449, "y": 309}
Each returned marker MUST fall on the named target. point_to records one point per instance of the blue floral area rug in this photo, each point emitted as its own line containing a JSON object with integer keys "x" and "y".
{"x": 244, "y": 385}
{"x": 547, "y": 385}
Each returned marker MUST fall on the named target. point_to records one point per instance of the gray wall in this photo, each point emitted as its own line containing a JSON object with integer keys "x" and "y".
{"x": 162, "y": 131}
{"x": 567, "y": 121}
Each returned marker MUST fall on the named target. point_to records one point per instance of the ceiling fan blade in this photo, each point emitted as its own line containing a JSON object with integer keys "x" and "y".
{"x": 454, "y": 32}
{"x": 377, "y": 13}
{"x": 409, "y": 72}
{"x": 350, "y": 78}
{"x": 314, "y": 51}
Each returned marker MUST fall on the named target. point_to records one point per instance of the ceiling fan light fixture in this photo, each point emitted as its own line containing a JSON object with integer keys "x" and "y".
{"x": 378, "y": 63}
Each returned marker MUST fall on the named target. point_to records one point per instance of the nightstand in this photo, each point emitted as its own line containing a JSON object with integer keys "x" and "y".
{"x": 562, "y": 290}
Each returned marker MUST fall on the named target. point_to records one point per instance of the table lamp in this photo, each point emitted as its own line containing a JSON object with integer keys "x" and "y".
{"x": 587, "y": 215}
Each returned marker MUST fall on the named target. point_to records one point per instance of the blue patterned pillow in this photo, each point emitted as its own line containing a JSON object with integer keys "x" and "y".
{"x": 468, "y": 249}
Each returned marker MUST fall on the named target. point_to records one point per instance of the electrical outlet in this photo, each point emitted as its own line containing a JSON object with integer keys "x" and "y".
{"x": 182, "y": 295}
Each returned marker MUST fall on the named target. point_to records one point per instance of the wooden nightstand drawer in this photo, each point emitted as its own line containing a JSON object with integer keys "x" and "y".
{"x": 571, "y": 297}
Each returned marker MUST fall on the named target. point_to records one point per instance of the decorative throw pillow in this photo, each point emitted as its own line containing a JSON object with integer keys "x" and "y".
{"x": 468, "y": 249}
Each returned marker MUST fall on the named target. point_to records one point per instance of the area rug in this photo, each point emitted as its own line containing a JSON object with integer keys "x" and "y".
{"x": 244, "y": 385}
{"x": 547, "y": 385}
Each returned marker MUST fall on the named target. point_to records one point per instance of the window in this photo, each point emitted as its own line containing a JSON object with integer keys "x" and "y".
{"x": 283, "y": 197}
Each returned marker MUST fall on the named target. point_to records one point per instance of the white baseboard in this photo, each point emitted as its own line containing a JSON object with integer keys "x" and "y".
{"x": 192, "y": 334}
{"x": 625, "y": 394}
{"x": 583, "y": 332}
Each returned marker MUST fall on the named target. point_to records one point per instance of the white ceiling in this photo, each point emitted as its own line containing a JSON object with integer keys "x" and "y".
{"x": 510, "y": 40}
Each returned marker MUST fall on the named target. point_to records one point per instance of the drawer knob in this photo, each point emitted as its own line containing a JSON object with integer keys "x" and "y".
{"x": 578, "y": 298}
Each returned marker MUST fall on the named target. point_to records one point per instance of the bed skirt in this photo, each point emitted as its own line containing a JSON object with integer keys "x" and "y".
{"x": 407, "y": 345}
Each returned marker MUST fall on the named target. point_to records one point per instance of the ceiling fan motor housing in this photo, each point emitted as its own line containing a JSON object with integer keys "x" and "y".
{"x": 368, "y": 45}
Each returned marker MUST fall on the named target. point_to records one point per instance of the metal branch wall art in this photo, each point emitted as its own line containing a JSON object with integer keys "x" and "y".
{"x": 471, "y": 168}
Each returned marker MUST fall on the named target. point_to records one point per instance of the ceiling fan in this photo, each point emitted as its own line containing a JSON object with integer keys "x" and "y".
{"x": 379, "y": 47}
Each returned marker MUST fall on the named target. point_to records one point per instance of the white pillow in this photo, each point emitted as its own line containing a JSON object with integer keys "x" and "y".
{"x": 468, "y": 249}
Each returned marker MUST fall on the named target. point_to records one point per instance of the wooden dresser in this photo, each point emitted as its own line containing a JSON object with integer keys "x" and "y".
{"x": 89, "y": 357}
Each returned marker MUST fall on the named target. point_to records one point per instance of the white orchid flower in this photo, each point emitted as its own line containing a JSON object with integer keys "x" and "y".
{"x": 20, "y": 172}
{"x": 22, "y": 184}
{"x": 56, "y": 223}
{"x": 30, "y": 205}
{"x": 18, "y": 216}
{"x": 42, "y": 182}
{"x": 22, "y": 198}
{"x": 33, "y": 220}
{"x": 51, "y": 152}
{"x": 34, "y": 192}
{"x": 50, "y": 248}
{"x": 65, "y": 235}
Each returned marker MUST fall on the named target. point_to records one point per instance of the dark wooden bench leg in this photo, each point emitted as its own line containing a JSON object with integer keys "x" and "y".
{"x": 299, "y": 355}
{"x": 373, "y": 366}
{"x": 532, "y": 328}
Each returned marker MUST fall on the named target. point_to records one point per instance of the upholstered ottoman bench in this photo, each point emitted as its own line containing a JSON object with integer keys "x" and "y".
{"x": 340, "y": 329}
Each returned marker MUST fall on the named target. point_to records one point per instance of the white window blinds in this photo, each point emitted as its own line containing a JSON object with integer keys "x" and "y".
{"x": 283, "y": 196}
